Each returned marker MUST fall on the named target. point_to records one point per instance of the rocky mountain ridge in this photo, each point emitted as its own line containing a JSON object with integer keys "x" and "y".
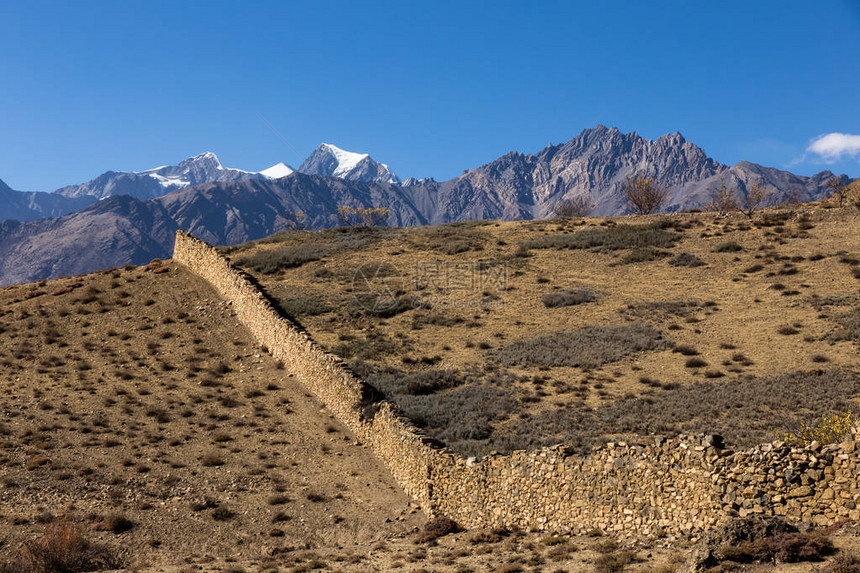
{"x": 122, "y": 229}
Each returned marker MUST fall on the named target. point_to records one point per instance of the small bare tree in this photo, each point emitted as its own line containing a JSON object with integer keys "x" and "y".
{"x": 837, "y": 190}
{"x": 362, "y": 216}
{"x": 574, "y": 207}
{"x": 644, "y": 195}
{"x": 853, "y": 193}
{"x": 793, "y": 198}
{"x": 722, "y": 199}
{"x": 756, "y": 197}
{"x": 296, "y": 220}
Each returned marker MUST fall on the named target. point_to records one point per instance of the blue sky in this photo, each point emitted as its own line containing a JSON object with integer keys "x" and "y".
{"x": 431, "y": 88}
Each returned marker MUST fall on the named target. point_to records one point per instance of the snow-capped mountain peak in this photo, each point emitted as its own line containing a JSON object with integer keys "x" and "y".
{"x": 202, "y": 168}
{"x": 277, "y": 171}
{"x": 332, "y": 161}
{"x": 346, "y": 160}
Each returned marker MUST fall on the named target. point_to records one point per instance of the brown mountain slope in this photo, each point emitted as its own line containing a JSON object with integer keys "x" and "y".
{"x": 134, "y": 394}
{"x": 505, "y": 336}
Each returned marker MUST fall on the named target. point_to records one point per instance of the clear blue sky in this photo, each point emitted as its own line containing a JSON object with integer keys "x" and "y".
{"x": 431, "y": 88}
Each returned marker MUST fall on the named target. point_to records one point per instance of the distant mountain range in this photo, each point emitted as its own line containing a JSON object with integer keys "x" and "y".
{"x": 131, "y": 217}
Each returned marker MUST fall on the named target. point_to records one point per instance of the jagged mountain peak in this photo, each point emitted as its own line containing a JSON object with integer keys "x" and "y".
{"x": 201, "y": 168}
{"x": 206, "y": 158}
{"x": 332, "y": 161}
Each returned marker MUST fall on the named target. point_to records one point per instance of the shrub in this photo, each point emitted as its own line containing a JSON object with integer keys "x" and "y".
{"x": 436, "y": 528}
{"x": 62, "y": 549}
{"x": 793, "y": 547}
{"x": 725, "y": 407}
{"x": 461, "y": 416}
{"x": 695, "y": 363}
{"x": 212, "y": 460}
{"x": 613, "y": 562}
{"x": 642, "y": 255}
{"x": 590, "y": 346}
{"x": 686, "y": 350}
{"x": 272, "y": 261}
{"x": 310, "y": 305}
{"x": 729, "y": 247}
{"x": 568, "y": 297}
{"x": 361, "y": 216}
{"x": 432, "y": 381}
{"x": 830, "y": 430}
{"x": 659, "y": 310}
{"x": 686, "y": 260}
{"x": 223, "y": 514}
{"x": 850, "y": 323}
{"x": 844, "y": 563}
{"x": 451, "y": 239}
{"x": 610, "y": 239}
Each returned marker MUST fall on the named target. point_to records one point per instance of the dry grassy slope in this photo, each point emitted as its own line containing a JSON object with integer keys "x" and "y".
{"x": 808, "y": 252}
{"x": 137, "y": 393}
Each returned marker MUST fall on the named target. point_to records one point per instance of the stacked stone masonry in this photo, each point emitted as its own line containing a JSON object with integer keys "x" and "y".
{"x": 680, "y": 486}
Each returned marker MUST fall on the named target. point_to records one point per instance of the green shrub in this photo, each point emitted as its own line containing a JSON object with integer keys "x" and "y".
{"x": 432, "y": 381}
{"x": 272, "y": 261}
{"x": 642, "y": 255}
{"x": 850, "y": 323}
{"x": 451, "y": 239}
{"x": 568, "y": 297}
{"x": 590, "y": 346}
{"x": 686, "y": 260}
{"x": 310, "y": 305}
{"x": 726, "y": 407}
{"x": 729, "y": 247}
{"x": 610, "y": 239}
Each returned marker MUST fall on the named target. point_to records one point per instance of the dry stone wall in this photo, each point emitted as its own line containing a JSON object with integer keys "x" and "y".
{"x": 679, "y": 486}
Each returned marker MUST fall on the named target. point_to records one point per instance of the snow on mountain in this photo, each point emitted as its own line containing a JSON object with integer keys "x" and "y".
{"x": 155, "y": 182}
{"x": 346, "y": 160}
{"x": 331, "y": 161}
{"x": 277, "y": 171}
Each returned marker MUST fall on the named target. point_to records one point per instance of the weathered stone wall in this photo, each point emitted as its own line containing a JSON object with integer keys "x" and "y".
{"x": 679, "y": 486}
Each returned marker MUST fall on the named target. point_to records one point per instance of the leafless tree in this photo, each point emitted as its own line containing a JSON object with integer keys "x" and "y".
{"x": 756, "y": 197}
{"x": 722, "y": 199}
{"x": 573, "y": 207}
{"x": 644, "y": 195}
{"x": 837, "y": 190}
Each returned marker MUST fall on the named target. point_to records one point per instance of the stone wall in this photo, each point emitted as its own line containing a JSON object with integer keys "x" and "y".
{"x": 679, "y": 486}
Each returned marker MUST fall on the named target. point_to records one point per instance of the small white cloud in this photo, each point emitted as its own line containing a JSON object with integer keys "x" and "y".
{"x": 832, "y": 147}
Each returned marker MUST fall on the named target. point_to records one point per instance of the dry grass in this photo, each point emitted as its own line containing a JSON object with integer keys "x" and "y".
{"x": 137, "y": 408}
{"x": 144, "y": 413}
{"x": 503, "y": 330}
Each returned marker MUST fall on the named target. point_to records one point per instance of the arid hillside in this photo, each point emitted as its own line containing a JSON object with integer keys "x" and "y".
{"x": 135, "y": 405}
{"x": 141, "y": 415}
{"x": 503, "y": 336}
